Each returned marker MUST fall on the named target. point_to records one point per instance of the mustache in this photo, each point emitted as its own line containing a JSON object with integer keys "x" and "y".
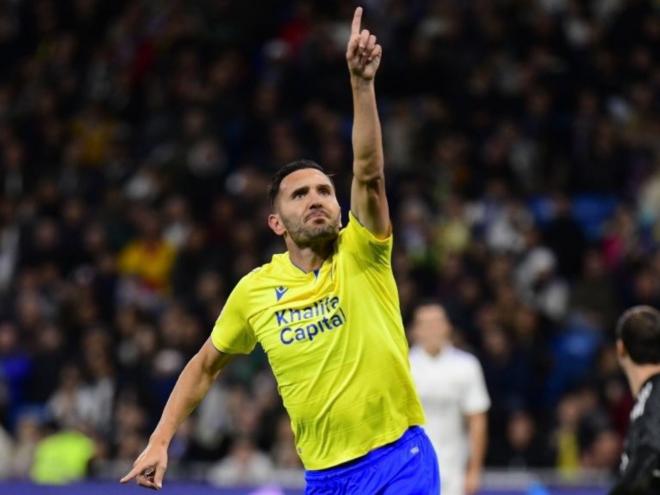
{"x": 315, "y": 212}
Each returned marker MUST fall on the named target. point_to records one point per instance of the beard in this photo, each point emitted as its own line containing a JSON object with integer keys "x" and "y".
{"x": 306, "y": 235}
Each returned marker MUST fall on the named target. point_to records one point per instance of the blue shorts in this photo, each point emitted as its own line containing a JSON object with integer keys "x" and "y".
{"x": 408, "y": 466}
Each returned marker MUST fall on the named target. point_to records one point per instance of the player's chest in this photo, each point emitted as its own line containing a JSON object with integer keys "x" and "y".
{"x": 299, "y": 314}
{"x": 438, "y": 382}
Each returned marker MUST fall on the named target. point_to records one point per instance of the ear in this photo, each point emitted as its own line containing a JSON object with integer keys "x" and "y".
{"x": 276, "y": 225}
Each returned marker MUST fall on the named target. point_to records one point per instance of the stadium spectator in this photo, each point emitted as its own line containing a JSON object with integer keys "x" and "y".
{"x": 243, "y": 464}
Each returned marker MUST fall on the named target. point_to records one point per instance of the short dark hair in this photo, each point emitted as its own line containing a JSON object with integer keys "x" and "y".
{"x": 639, "y": 330}
{"x": 289, "y": 168}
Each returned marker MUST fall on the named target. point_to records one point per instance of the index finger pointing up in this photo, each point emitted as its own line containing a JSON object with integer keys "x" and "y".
{"x": 357, "y": 21}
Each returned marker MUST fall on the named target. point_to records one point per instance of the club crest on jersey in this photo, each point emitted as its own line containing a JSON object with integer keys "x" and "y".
{"x": 280, "y": 291}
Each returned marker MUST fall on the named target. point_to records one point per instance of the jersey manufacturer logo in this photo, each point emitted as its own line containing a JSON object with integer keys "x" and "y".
{"x": 280, "y": 291}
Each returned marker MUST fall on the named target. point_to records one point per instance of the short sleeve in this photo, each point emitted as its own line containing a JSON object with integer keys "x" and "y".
{"x": 232, "y": 333}
{"x": 475, "y": 400}
{"x": 359, "y": 240}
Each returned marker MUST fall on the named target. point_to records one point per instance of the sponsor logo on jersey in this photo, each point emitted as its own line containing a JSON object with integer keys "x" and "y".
{"x": 307, "y": 323}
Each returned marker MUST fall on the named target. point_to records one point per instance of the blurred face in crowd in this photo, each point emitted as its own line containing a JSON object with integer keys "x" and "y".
{"x": 520, "y": 430}
{"x": 306, "y": 209}
{"x": 605, "y": 450}
{"x": 150, "y": 226}
{"x": 431, "y": 328}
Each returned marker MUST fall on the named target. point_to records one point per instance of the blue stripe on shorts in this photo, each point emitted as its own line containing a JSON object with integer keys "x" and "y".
{"x": 408, "y": 466}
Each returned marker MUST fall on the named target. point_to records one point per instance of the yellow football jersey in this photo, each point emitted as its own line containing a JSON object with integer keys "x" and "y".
{"x": 335, "y": 341}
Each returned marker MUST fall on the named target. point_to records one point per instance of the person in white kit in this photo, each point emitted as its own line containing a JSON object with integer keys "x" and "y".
{"x": 451, "y": 385}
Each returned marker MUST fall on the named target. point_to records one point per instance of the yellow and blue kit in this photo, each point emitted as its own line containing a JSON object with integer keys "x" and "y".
{"x": 335, "y": 341}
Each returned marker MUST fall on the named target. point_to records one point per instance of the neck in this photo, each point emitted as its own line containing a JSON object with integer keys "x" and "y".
{"x": 638, "y": 374}
{"x": 309, "y": 258}
{"x": 435, "y": 349}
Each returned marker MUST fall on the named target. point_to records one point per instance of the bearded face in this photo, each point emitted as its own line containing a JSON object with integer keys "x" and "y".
{"x": 307, "y": 210}
{"x": 317, "y": 227}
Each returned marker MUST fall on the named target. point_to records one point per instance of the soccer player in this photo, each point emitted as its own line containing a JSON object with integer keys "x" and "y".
{"x": 327, "y": 314}
{"x": 638, "y": 350}
{"x": 453, "y": 392}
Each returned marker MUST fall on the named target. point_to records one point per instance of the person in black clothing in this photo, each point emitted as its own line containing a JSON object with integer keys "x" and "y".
{"x": 638, "y": 349}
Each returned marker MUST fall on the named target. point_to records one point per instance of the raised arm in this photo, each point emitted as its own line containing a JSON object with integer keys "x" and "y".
{"x": 191, "y": 387}
{"x": 368, "y": 199}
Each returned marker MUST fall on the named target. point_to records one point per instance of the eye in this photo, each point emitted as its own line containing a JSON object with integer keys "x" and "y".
{"x": 298, "y": 194}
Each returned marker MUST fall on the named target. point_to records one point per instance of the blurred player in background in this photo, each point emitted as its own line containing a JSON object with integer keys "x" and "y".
{"x": 327, "y": 314}
{"x": 453, "y": 392}
{"x": 638, "y": 349}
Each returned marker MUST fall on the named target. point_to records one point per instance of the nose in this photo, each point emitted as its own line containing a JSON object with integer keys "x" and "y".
{"x": 316, "y": 200}
{"x": 315, "y": 204}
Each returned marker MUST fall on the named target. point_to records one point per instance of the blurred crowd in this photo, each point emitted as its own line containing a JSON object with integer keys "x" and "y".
{"x": 522, "y": 143}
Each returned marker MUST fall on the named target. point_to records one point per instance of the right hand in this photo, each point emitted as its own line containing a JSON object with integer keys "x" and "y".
{"x": 149, "y": 468}
{"x": 362, "y": 53}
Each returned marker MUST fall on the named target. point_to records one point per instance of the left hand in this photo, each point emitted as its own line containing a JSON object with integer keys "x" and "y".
{"x": 472, "y": 481}
{"x": 363, "y": 53}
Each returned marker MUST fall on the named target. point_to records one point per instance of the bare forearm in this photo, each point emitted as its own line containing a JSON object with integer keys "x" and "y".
{"x": 478, "y": 433}
{"x": 367, "y": 138}
{"x": 191, "y": 387}
{"x": 368, "y": 196}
